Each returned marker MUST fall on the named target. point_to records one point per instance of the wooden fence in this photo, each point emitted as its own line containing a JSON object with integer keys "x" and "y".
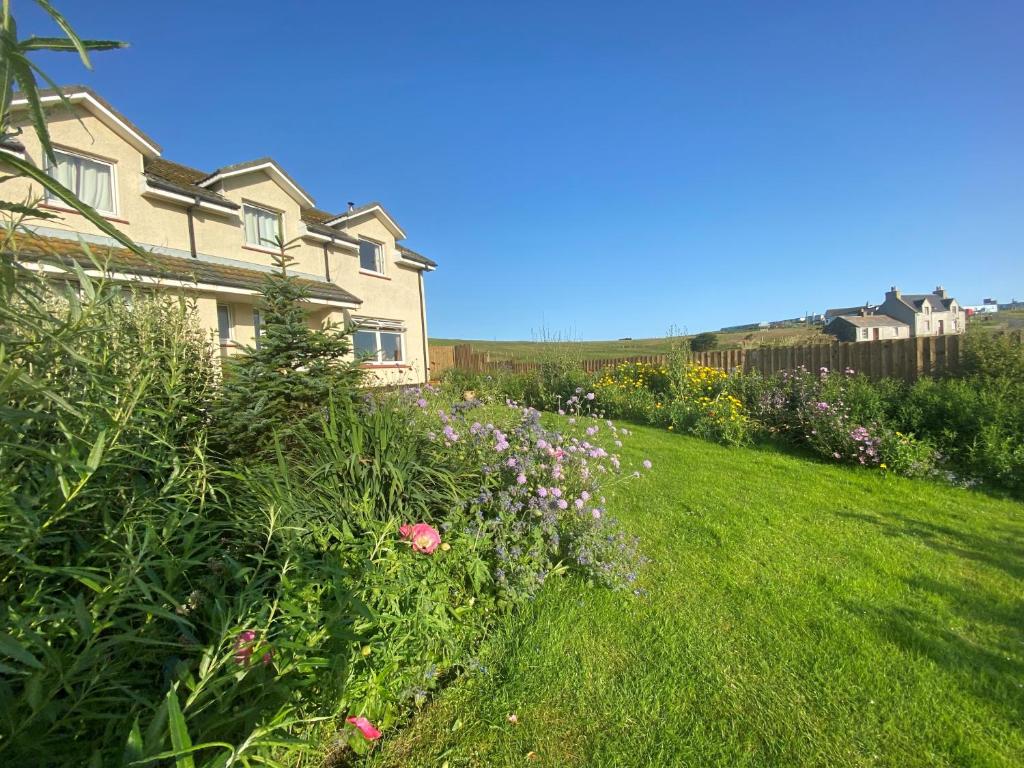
{"x": 907, "y": 359}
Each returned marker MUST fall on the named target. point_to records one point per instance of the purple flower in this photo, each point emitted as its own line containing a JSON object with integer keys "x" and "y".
{"x": 590, "y": 395}
{"x": 521, "y": 479}
{"x": 542, "y": 492}
{"x": 450, "y": 433}
{"x": 421, "y": 403}
{"x": 591, "y": 431}
{"x": 647, "y": 464}
{"x": 822, "y": 406}
{"x": 563, "y": 504}
{"x": 579, "y": 503}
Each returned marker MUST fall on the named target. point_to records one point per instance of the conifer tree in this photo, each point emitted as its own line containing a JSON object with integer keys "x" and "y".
{"x": 288, "y": 378}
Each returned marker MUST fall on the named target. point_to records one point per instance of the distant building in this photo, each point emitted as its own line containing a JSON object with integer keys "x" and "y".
{"x": 981, "y": 309}
{"x": 900, "y": 316}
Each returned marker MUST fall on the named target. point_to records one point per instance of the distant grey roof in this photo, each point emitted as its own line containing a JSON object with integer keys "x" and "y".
{"x": 871, "y": 321}
{"x": 917, "y": 301}
{"x": 841, "y": 311}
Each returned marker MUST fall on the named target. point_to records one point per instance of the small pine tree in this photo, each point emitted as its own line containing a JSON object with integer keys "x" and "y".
{"x": 288, "y": 379}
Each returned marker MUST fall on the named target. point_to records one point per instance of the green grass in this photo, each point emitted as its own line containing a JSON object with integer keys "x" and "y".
{"x": 597, "y": 350}
{"x": 797, "y": 614}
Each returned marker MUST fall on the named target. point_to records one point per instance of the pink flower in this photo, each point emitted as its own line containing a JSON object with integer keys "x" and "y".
{"x": 563, "y": 504}
{"x": 542, "y": 492}
{"x": 521, "y": 479}
{"x": 647, "y": 464}
{"x": 365, "y": 727}
{"x": 244, "y": 646}
{"x": 424, "y": 538}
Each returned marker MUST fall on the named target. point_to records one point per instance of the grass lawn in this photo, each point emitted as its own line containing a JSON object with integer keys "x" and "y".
{"x": 797, "y": 615}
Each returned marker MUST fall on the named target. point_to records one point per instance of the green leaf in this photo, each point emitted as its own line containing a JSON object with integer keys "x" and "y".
{"x": 58, "y": 44}
{"x": 61, "y": 22}
{"x": 133, "y": 750}
{"x": 179, "y": 731}
{"x": 13, "y": 649}
{"x": 27, "y": 210}
{"x": 96, "y": 454}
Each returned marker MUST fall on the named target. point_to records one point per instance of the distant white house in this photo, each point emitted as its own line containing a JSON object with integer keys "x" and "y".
{"x": 900, "y": 316}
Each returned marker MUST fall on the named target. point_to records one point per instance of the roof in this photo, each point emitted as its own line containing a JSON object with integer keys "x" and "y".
{"x": 872, "y": 321}
{"x": 372, "y": 207}
{"x": 841, "y": 311}
{"x": 316, "y": 216}
{"x": 100, "y": 106}
{"x": 411, "y": 255}
{"x": 917, "y": 301}
{"x": 260, "y": 163}
{"x": 47, "y": 249}
{"x": 175, "y": 177}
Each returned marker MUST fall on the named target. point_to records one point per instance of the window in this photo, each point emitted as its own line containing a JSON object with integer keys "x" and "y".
{"x": 224, "y": 326}
{"x": 370, "y": 259}
{"x": 864, "y": 333}
{"x": 379, "y": 345}
{"x": 92, "y": 181}
{"x": 257, "y": 326}
{"x": 262, "y": 227}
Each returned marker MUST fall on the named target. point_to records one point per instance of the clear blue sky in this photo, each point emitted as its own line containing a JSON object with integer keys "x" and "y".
{"x": 612, "y": 169}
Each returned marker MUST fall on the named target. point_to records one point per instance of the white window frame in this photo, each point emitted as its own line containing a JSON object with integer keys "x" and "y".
{"x": 380, "y": 257}
{"x": 280, "y": 227}
{"x": 377, "y": 328}
{"x": 114, "y": 198}
{"x": 864, "y": 335}
{"x": 226, "y": 344}
{"x": 257, "y": 326}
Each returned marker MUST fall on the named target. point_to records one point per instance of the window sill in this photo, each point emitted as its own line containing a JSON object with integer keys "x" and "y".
{"x": 259, "y": 249}
{"x": 65, "y": 209}
{"x": 384, "y": 366}
{"x": 368, "y": 273}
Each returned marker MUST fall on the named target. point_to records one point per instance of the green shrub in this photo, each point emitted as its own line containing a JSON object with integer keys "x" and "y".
{"x": 282, "y": 385}
{"x": 993, "y": 355}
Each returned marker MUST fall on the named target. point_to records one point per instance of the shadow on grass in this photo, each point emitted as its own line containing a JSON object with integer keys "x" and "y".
{"x": 981, "y": 660}
{"x": 999, "y": 547}
{"x": 979, "y": 636}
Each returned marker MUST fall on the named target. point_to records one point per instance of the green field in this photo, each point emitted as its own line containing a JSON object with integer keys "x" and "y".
{"x": 796, "y": 614}
{"x": 596, "y": 350}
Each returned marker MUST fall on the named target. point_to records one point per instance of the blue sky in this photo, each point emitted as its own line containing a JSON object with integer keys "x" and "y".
{"x": 601, "y": 170}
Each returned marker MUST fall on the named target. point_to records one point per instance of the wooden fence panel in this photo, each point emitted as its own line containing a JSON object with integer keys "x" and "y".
{"x": 908, "y": 359}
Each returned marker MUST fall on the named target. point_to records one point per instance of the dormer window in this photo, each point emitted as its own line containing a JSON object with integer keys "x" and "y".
{"x": 262, "y": 227}
{"x": 91, "y": 181}
{"x": 371, "y": 257}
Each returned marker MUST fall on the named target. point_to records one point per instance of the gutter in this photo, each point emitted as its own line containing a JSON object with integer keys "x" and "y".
{"x": 192, "y": 228}
{"x": 423, "y": 332}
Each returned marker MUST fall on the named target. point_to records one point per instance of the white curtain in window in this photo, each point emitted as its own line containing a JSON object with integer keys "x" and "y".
{"x": 91, "y": 181}
{"x": 261, "y": 227}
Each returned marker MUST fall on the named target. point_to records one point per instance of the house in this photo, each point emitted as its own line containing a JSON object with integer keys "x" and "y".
{"x": 211, "y": 234}
{"x": 867, "y": 327}
{"x": 900, "y": 316}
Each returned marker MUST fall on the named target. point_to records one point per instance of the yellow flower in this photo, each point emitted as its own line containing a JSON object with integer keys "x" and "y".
{"x": 883, "y": 466}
